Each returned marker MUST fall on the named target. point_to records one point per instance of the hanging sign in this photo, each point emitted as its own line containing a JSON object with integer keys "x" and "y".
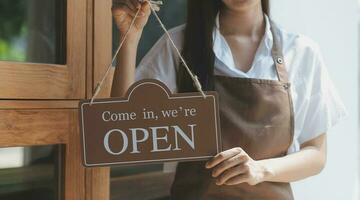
{"x": 149, "y": 125}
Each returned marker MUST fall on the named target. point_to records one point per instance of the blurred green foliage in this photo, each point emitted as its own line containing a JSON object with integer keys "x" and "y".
{"x": 12, "y": 18}
{"x": 12, "y": 27}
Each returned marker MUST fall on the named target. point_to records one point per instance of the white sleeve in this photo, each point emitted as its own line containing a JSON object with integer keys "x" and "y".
{"x": 161, "y": 61}
{"x": 324, "y": 107}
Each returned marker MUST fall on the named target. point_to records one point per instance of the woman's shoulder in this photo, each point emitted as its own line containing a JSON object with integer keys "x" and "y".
{"x": 299, "y": 42}
{"x": 177, "y": 35}
{"x": 163, "y": 48}
{"x": 303, "y": 56}
{"x": 177, "y": 30}
{"x": 161, "y": 61}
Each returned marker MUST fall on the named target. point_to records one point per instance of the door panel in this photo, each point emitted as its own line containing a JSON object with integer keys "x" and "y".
{"x": 35, "y": 127}
{"x": 39, "y": 97}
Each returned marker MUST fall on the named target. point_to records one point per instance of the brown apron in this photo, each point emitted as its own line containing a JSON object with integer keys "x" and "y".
{"x": 256, "y": 115}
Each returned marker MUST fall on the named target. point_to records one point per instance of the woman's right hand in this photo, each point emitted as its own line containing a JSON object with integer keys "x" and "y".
{"x": 124, "y": 12}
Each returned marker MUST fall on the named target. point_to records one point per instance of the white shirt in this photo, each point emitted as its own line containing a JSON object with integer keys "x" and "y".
{"x": 317, "y": 106}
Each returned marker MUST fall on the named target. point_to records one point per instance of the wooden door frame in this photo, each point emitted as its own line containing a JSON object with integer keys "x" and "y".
{"x": 45, "y": 121}
{"x": 99, "y": 51}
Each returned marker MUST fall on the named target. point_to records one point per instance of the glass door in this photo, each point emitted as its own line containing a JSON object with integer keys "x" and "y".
{"x": 43, "y": 54}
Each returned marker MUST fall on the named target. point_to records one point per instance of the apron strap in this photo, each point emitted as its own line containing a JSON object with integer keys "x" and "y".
{"x": 277, "y": 54}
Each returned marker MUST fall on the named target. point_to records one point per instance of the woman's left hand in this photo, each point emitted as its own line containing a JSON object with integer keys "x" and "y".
{"x": 235, "y": 166}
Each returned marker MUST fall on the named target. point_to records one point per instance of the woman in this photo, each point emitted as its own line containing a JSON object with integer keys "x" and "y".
{"x": 276, "y": 99}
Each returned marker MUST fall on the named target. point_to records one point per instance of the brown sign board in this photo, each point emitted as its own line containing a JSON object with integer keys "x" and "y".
{"x": 149, "y": 125}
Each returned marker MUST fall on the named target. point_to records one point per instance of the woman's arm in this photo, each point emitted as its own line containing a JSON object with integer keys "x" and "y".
{"x": 309, "y": 161}
{"x": 123, "y": 12}
{"x": 124, "y": 74}
{"x": 234, "y": 166}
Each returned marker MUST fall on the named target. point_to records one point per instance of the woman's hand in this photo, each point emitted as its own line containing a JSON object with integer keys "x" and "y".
{"x": 235, "y": 166}
{"x": 124, "y": 12}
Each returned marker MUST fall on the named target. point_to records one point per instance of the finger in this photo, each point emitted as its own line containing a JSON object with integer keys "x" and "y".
{"x": 136, "y": 4}
{"x": 121, "y": 9}
{"x": 243, "y": 178}
{"x": 223, "y": 156}
{"x": 230, "y": 173}
{"x": 145, "y": 8}
{"x": 231, "y": 162}
{"x": 130, "y": 4}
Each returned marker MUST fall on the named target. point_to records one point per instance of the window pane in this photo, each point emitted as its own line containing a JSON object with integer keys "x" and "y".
{"x": 30, "y": 173}
{"x": 33, "y": 31}
{"x": 154, "y": 181}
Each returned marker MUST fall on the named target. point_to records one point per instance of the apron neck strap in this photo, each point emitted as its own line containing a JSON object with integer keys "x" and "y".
{"x": 277, "y": 54}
